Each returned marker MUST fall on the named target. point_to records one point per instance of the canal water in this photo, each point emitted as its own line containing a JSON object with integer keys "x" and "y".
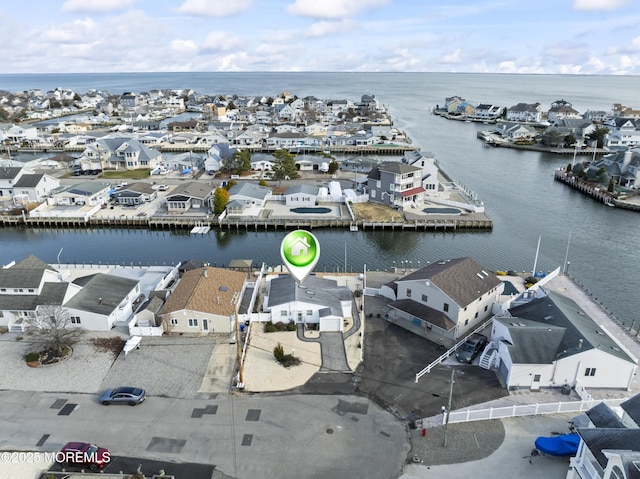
{"x": 600, "y": 243}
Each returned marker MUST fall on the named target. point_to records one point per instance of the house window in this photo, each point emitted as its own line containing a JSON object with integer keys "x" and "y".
{"x": 408, "y": 293}
{"x": 193, "y": 323}
{"x": 445, "y": 308}
{"x": 174, "y": 321}
{"x": 309, "y": 312}
{"x": 75, "y": 319}
{"x": 424, "y": 298}
{"x": 4, "y": 290}
{"x": 284, "y": 314}
{"x": 476, "y": 315}
{"x": 31, "y": 290}
{"x": 466, "y": 321}
{"x": 590, "y": 372}
{"x": 485, "y": 307}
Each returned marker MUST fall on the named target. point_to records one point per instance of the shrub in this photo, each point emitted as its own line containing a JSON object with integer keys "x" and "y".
{"x": 278, "y": 353}
{"x": 269, "y": 327}
{"x": 280, "y": 326}
{"x": 32, "y": 357}
{"x": 292, "y": 327}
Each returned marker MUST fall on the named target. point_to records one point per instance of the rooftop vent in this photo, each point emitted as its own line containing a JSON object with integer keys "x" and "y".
{"x": 223, "y": 288}
{"x": 547, "y": 318}
{"x": 479, "y": 276}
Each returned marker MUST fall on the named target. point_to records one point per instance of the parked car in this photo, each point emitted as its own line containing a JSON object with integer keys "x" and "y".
{"x": 124, "y": 395}
{"x": 471, "y": 348}
{"x": 83, "y": 454}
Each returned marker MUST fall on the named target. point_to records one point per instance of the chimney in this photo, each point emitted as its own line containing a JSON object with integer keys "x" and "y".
{"x": 580, "y": 344}
{"x": 204, "y": 272}
{"x": 99, "y": 300}
{"x": 218, "y": 299}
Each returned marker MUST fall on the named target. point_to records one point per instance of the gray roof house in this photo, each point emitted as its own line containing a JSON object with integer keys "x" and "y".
{"x": 301, "y": 195}
{"x": 34, "y": 187}
{"x": 135, "y": 194}
{"x": 85, "y": 193}
{"x": 622, "y": 166}
{"x": 445, "y": 300}
{"x": 549, "y": 341}
{"x": 395, "y": 184}
{"x": 26, "y": 285}
{"x": 103, "y": 300}
{"x": 119, "y": 153}
{"x": 189, "y": 195}
{"x": 609, "y": 448}
{"x": 316, "y": 302}
{"x": 249, "y": 194}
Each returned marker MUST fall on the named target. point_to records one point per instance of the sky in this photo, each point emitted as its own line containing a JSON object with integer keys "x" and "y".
{"x": 597, "y": 37}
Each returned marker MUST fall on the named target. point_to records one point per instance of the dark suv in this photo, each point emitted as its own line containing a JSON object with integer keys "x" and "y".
{"x": 471, "y": 348}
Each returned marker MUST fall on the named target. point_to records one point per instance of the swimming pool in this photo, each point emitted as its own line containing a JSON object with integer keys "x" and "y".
{"x": 442, "y": 211}
{"x": 306, "y": 210}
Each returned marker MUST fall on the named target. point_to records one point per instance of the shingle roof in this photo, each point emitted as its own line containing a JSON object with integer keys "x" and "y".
{"x": 9, "y": 172}
{"x": 191, "y": 190}
{"x": 250, "y": 190}
{"x": 29, "y": 181}
{"x": 533, "y": 343}
{"x": 313, "y": 290}
{"x": 397, "y": 168}
{"x": 25, "y": 274}
{"x": 632, "y": 408}
{"x": 599, "y": 439}
{"x": 304, "y": 189}
{"x": 462, "y": 279}
{"x": 424, "y": 312}
{"x": 602, "y": 416}
{"x": 100, "y": 293}
{"x": 207, "y": 289}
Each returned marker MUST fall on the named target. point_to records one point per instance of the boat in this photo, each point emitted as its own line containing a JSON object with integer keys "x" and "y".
{"x": 562, "y": 445}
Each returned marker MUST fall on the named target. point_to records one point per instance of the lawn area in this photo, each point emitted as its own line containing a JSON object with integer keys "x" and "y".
{"x": 132, "y": 174}
{"x": 375, "y": 212}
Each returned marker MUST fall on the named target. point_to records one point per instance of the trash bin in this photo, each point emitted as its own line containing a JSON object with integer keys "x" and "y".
{"x": 565, "y": 389}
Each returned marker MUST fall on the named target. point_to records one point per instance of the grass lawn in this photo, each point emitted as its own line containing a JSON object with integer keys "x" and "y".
{"x": 375, "y": 212}
{"x": 132, "y": 174}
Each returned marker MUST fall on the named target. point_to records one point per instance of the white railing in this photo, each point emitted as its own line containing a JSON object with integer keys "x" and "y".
{"x": 465, "y": 206}
{"x": 450, "y": 351}
{"x": 146, "y": 331}
{"x": 527, "y": 410}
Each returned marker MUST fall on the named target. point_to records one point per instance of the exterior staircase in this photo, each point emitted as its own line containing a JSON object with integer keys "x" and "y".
{"x": 488, "y": 357}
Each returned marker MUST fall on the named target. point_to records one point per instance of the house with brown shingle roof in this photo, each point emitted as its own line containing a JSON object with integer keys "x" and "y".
{"x": 204, "y": 301}
{"x": 444, "y": 300}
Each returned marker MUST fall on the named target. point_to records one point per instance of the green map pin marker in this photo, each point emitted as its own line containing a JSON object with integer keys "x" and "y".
{"x": 300, "y": 251}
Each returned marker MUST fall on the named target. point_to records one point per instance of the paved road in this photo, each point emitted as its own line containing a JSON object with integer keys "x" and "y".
{"x": 257, "y": 437}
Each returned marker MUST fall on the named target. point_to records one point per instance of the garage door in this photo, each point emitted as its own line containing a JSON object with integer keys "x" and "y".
{"x": 330, "y": 324}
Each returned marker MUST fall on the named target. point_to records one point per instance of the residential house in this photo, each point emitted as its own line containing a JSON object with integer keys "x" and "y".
{"x": 517, "y": 131}
{"x": 135, "y": 194}
{"x": 103, "y": 301}
{"x": 451, "y": 103}
{"x": 395, "y": 184}
{"x": 205, "y": 301}
{"x": 561, "y": 109}
{"x": 34, "y": 187}
{"x": 9, "y": 176}
{"x": 610, "y": 446}
{"x": 26, "y": 286}
{"x": 527, "y": 112}
{"x": 188, "y": 196}
{"x": 301, "y": 195}
{"x": 546, "y": 340}
{"x": 578, "y": 127}
{"x": 291, "y": 140}
{"x": 465, "y": 108}
{"x": 445, "y": 300}
{"x": 623, "y": 133}
{"x": 85, "y": 193}
{"x": 129, "y": 100}
{"x": 597, "y": 116}
{"x": 429, "y": 174}
{"x": 623, "y": 167}
{"x": 17, "y": 134}
{"x": 249, "y": 194}
{"x": 316, "y": 303}
{"x": 262, "y": 161}
{"x": 621, "y": 111}
{"x": 119, "y": 153}
{"x": 487, "y": 111}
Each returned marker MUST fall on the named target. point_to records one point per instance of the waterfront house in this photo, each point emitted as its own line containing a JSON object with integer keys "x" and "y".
{"x": 188, "y": 196}
{"x": 17, "y": 134}
{"x": 135, "y": 194}
{"x": 546, "y": 340}
{"x": 262, "y": 162}
{"x": 249, "y": 194}
{"x": 86, "y": 193}
{"x": 102, "y": 301}
{"x": 34, "y": 187}
{"x": 429, "y": 174}
{"x": 527, "y": 112}
{"x": 205, "y": 301}
{"x": 395, "y": 184}
{"x": 316, "y": 303}
{"x": 487, "y": 111}
{"x": 451, "y": 103}
{"x": 517, "y": 131}
{"x": 623, "y": 133}
{"x": 444, "y": 300}
{"x": 9, "y": 176}
{"x": 561, "y": 109}
{"x": 610, "y": 446}
{"x": 301, "y": 195}
{"x": 623, "y": 167}
{"x": 621, "y": 111}
{"x": 27, "y": 285}
{"x": 578, "y": 127}
{"x": 291, "y": 140}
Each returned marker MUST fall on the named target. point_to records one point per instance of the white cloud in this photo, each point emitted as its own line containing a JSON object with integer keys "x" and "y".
{"x": 77, "y": 32}
{"x": 95, "y": 6}
{"x": 184, "y": 46}
{"x": 599, "y": 4}
{"x": 214, "y": 8}
{"x": 454, "y": 57}
{"x": 324, "y": 28}
{"x": 332, "y": 8}
{"x": 221, "y": 42}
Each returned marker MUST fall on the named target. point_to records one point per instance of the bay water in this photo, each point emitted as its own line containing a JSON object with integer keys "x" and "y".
{"x": 600, "y": 243}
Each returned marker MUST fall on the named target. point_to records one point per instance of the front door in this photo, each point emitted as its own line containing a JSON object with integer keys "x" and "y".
{"x": 205, "y": 325}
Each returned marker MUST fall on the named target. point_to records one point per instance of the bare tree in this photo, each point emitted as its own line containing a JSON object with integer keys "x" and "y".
{"x": 52, "y": 329}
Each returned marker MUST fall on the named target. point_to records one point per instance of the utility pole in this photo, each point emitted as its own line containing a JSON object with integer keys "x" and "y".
{"x": 240, "y": 384}
{"x": 446, "y": 423}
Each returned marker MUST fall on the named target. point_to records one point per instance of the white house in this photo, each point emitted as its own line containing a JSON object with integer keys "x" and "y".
{"x": 34, "y": 187}
{"x": 529, "y": 112}
{"x": 549, "y": 341}
{"x": 102, "y": 301}
{"x": 249, "y": 194}
{"x": 445, "y": 300}
{"x": 301, "y": 195}
{"x": 205, "y": 301}
{"x": 85, "y": 193}
{"x": 316, "y": 303}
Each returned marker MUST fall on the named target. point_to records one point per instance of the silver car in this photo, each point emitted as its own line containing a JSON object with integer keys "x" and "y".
{"x": 123, "y": 395}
